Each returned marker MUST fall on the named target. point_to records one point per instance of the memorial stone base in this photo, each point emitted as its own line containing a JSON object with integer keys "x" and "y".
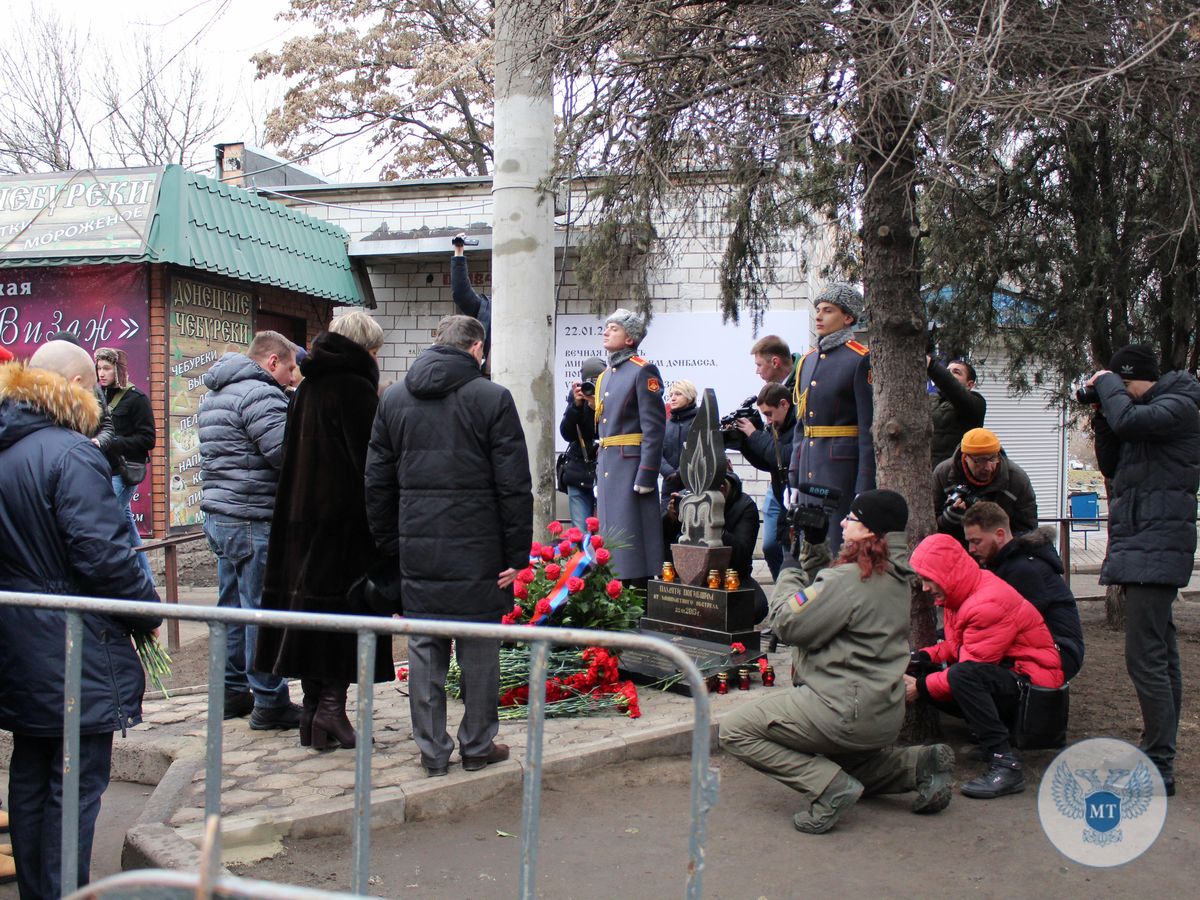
{"x": 704, "y": 622}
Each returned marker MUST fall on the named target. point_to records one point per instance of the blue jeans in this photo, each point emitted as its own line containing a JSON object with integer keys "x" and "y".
{"x": 241, "y": 549}
{"x": 772, "y": 549}
{"x": 124, "y": 497}
{"x": 35, "y": 808}
{"x": 582, "y": 503}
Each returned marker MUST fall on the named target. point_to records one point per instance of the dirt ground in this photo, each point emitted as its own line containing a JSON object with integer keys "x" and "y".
{"x": 632, "y": 840}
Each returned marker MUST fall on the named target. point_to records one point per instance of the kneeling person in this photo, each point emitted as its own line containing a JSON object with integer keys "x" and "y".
{"x": 830, "y": 737}
{"x": 994, "y": 637}
{"x": 1031, "y": 565}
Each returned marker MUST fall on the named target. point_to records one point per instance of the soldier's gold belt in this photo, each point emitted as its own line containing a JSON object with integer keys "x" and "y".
{"x": 621, "y": 440}
{"x": 817, "y": 431}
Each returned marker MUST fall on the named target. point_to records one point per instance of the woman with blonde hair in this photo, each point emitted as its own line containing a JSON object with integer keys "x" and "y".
{"x": 134, "y": 435}
{"x": 320, "y": 544}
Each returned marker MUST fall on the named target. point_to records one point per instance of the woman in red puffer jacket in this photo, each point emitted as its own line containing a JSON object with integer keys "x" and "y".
{"x": 993, "y": 636}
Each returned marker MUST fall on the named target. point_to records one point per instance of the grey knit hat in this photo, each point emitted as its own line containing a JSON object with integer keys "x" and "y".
{"x": 846, "y": 298}
{"x": 634, "y": 325}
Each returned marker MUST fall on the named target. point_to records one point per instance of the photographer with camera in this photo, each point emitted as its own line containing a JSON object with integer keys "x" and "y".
{"x": 577, "y": 465}
{"x": 831, "y": 736}
{"x": 470, "y": 303}
{"x": 834, "y": 411}
{"x": 769, "y": 449}
{"x": 1148, "y": 443}
{"x": 980, "y": 470}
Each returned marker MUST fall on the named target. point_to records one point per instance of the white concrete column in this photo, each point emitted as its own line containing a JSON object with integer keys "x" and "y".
{"x": 523, "y": 234}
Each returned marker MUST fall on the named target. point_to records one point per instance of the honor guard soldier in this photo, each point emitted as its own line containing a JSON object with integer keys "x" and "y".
{"x": 630, "y": 420}
{"x": 832, "y": 446}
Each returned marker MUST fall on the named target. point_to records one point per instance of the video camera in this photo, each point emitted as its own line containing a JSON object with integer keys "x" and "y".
{"x": 748, "y": 410}
{"x": 802, "y": 519}
{"x": 459, "y": 241}
{"x": 957, "y": 492}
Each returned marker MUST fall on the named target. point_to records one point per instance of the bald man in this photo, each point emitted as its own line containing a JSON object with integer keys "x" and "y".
{"x": 63, "y": 533}
{"x": 103, "y": 434}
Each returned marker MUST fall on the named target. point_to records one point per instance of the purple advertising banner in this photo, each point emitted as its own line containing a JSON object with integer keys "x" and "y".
{"x": 102, "y": 305}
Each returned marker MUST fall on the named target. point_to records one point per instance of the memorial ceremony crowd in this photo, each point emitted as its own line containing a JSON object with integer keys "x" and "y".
{"x": 324, "y": 493}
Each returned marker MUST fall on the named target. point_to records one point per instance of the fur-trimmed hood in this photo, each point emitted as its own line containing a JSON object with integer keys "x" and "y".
{"x": 31, "y": 399}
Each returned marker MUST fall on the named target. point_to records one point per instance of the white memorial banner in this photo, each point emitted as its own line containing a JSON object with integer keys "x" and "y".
{"x": 689, "y": 345}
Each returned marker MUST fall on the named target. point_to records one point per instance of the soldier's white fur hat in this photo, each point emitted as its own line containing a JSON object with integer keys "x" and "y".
{"x": 634, "y": 325}
{"x": 846, "y": 298}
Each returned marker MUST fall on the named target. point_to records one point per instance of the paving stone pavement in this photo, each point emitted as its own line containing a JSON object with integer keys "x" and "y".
{"x": 269, "y": 770}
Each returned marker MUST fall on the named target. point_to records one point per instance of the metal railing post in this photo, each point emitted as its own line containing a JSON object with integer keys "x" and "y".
{"x": 360, "y": 877}
{"x": 171, "y": 582}
{"x": 531, "y": 817}
{"x": 218, "y": 649}
{"x": 70, "y": 752}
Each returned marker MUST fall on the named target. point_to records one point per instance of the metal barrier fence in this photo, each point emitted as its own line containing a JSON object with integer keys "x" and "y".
{"x": 703, "y": 786}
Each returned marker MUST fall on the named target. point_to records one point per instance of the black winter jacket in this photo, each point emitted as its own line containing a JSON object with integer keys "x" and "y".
{"x": 955, "y": 411}
{"x": 1010, "y": 487}
{"x": 674, "y": 434}
{"x": 1150, "y": 448}
{"x": 579, "y": 423}
{"x": 770, "y": 450}
{"x": 62, "y": 532}
{"x": 242, "y": 422}
{"x": 448, "y": 487}
{"x": 134, "y": 434}
{"x": 1031, "y": 565}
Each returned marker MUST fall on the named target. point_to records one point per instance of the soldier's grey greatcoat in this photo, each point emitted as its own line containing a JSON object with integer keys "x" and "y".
{"x": 630, "y": 420}
{"x": 832, "y": 445}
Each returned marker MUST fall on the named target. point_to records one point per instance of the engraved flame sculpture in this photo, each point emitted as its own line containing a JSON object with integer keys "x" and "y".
{"x": 702, "y": 467}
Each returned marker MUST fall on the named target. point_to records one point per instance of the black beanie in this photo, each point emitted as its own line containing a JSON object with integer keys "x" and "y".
{"x": 881, "y": 511}
{"x": 1135, "y": 363}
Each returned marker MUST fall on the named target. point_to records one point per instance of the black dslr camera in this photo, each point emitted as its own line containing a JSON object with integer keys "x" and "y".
{"x": 587, "y": 388}
{"x": 748, "y": 410}
{"x": 957, "y": 492}
{"x": 1087, "y": 394}
{"x": 802, "y": 520}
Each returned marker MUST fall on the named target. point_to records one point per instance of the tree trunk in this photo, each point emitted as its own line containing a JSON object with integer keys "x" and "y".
{"x": 896, "y": 314}
{"x": 895, "y": 310}
{"x": 1114, "y": 607}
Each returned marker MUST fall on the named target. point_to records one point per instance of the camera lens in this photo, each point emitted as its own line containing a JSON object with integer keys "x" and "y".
{"x": 588, "y": 388}
{"x": 1087, "y": 394}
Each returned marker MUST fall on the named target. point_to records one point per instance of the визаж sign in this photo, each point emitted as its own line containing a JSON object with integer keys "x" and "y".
{"x": 206, "y": 321}
{"x": 86, "y": 213}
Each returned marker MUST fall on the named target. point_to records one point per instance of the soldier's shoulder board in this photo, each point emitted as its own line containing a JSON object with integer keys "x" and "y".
{"x": 858, "y": 348}
{"x": 640, "y": 361}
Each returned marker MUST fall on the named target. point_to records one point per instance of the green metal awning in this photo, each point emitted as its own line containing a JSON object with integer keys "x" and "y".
{"x": 170, "y": 215}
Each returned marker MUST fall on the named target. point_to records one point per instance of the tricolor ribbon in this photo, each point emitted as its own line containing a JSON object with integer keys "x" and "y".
{"x": 575, "y": 567}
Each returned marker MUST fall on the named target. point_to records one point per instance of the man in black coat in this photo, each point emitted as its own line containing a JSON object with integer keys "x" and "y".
{"x": 469, "y": 301}
{"x": 62, "y": 532}
{"x": 956, "y": 408}
{"x": 981, "y": 470}
{"x": 1031, "y": 565}
{"x": 1148, "y": 442}
{"x": 449, "y": 492}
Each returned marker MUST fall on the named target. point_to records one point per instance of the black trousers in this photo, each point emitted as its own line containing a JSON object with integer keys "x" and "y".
{"x": 35, "y": 808}
{"x": 1152, "y": 660}
{"x": 986, "y": 696}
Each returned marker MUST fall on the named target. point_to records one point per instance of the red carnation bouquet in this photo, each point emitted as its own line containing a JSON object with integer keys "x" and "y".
{"x": 568, "y": 583}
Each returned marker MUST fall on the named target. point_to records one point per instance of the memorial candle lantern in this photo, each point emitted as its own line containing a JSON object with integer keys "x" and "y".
{"x": 722, "y": 682}
{"x": 743, "y": 678}
{"x": 668, "y": 572}
{"x": 768, "y": 676}
{"x": 732, "y": 581}
{"x": 714, "y": 578}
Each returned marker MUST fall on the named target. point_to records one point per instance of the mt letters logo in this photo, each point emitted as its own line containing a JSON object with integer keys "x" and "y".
{"x": 1102, "y": 802}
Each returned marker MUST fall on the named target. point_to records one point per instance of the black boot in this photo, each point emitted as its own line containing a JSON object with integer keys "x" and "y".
{"x": 1004, "y": 776}
{"x": 312, "y": 693}
{"x": 330, "y": 727}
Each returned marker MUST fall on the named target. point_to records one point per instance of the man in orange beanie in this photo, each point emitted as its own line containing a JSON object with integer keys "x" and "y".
{"x": 980, "y": 470}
